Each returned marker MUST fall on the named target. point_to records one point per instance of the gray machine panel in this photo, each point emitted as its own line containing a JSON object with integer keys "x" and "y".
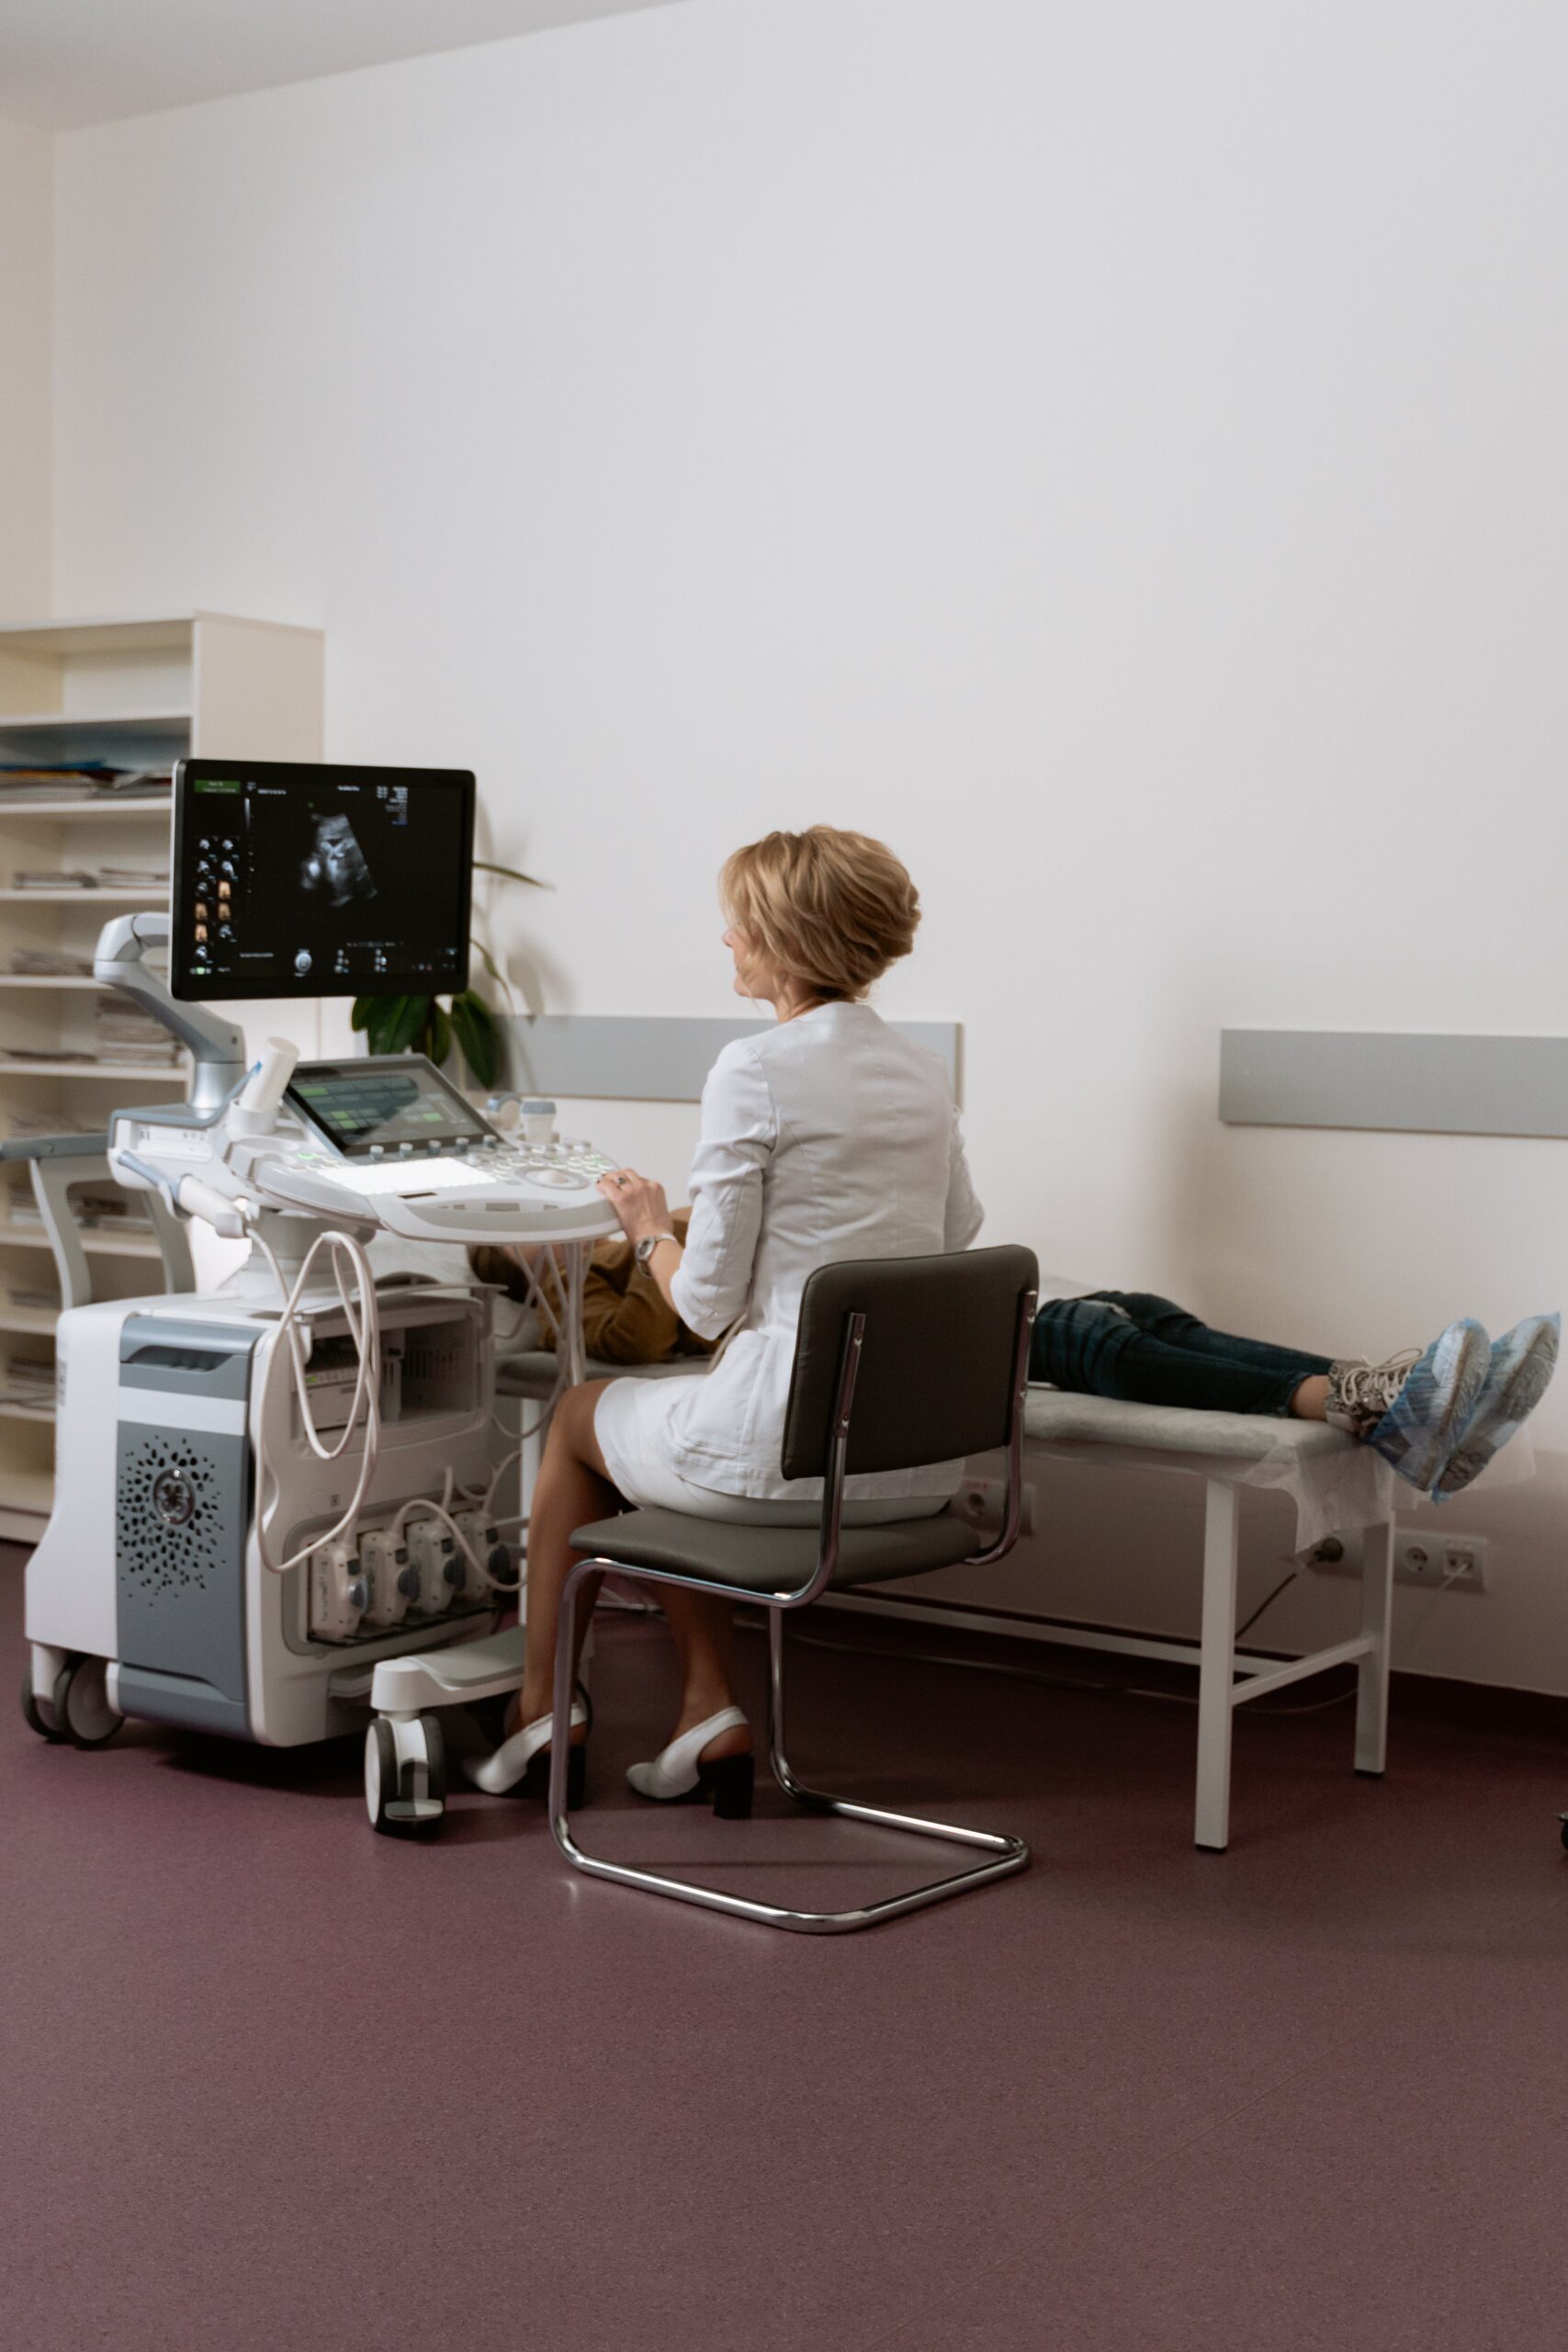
{"x": 180, "y": 1700}
{"x": 182, "y": 1521}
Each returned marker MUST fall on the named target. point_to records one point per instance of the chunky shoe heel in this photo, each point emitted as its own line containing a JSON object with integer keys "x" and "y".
{"x": 535, "y": 1781}
{"x": 678, "y": 1772}
{"x": 729, "y": 1781}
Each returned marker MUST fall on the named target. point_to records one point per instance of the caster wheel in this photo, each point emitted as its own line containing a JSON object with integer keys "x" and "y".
{"x": 34, "y": 1715}
{"x": 390, "y": 1799}
{"x": 381, "y": 1776}
{"x": 82, "y": 1709}
{"x": 434, "y": 1758}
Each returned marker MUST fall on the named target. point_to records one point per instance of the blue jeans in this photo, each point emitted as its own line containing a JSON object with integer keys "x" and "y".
{"x": 1153, "y": 1352}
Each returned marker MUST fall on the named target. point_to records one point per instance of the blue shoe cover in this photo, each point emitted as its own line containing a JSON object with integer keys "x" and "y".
{"x": 1425, "y": 1424}
{"x": 1522, "y": 1364}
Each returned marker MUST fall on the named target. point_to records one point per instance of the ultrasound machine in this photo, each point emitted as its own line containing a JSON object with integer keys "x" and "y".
{"x": 275, "y": 1512}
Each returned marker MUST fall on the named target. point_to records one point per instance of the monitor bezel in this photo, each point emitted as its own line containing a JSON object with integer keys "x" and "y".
{"x": 212, "y": 987}
{"x": 356, "y": 1065}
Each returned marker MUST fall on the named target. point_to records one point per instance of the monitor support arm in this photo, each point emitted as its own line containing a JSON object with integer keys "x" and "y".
{"x": 216, "y": 1047}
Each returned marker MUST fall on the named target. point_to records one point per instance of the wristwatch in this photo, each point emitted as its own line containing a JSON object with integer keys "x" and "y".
{"x": 649, "y": 1243}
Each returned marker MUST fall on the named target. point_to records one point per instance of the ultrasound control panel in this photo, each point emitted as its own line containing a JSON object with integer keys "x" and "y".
{"x": 391, "y": 1132}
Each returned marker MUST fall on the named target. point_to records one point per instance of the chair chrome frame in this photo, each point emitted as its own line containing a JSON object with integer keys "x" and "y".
{"x": 1003, "y": 1854}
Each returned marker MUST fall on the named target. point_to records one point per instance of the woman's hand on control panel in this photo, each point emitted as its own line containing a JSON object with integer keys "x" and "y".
{"x": 637, "y": 1201}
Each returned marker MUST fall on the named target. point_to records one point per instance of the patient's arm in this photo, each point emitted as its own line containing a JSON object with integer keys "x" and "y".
{"x": 625, "y": 1318}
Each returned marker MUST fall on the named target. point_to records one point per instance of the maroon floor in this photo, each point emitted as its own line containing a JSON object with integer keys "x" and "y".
{"x": 271, "y": 2081}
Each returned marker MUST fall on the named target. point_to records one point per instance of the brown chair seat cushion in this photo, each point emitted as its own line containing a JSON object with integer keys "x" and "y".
{"x": 775, "y": 1559}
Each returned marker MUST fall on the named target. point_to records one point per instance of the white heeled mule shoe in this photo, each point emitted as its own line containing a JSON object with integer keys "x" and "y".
{"x": 678, "y": 1770}
{"x": 521, "y": 1765}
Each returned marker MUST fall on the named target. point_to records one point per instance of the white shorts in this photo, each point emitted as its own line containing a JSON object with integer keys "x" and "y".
{"x": 628, "y": 1421}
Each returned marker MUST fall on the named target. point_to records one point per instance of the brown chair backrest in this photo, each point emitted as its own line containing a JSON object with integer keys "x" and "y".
{"x": 937, "y": 1365}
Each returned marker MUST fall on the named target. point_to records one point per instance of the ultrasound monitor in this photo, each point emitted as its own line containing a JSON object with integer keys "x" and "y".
{"x": 296, "y": 879}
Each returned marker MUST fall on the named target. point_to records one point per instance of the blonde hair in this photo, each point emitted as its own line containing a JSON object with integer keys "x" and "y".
{"x": 830, "y": 908}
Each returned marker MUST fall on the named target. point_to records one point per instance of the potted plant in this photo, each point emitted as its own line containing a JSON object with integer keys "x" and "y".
{"x": 424, "y": 1024}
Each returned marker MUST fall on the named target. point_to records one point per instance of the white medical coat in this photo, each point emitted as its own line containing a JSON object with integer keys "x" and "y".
{"x": 830, "y": 1137}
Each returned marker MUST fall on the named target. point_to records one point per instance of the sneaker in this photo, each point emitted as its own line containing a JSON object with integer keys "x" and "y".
{"x": 1433, "y": 1409}
{"x": 1522, "y": 1364}
{"x": 1360, "y": 1392}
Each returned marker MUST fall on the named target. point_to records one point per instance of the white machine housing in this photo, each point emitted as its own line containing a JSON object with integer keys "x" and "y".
{"x": 181, "y": 1439}
{"x": 150, "y": 1561}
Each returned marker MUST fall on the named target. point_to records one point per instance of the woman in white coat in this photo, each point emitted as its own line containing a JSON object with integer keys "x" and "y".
{"x": 829, "y": 1137}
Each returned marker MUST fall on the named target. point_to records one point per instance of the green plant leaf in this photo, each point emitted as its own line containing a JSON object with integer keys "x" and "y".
{"x": 474, "y": 1025}
{"x": 497, "y": 974}
{"x": 378, "y": 1012}
{"x": 510, "y": 873}
{"x": 364, "y": 1006}
{"x": 437, "y": 1038}
{"x": 395, "y": 1030}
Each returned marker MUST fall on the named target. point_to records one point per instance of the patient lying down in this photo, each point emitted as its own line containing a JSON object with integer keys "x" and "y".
{"x": 1437, "y": 1415}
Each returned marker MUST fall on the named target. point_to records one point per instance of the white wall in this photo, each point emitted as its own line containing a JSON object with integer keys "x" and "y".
{"x": 1115, "y": 452}
{"x": 25, "y": 313}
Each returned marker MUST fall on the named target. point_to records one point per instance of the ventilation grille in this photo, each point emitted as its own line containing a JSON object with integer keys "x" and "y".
{"x": 170, "y": 1517}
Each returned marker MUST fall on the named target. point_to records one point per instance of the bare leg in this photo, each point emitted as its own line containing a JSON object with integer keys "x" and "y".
{"x": 703, "y": 1629}
{"x": 1311, "y": 1399}
{"x": 573, "y": 1488}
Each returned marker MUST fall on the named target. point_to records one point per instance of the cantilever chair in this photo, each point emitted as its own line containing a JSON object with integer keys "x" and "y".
{"x": 899, "y": 1361}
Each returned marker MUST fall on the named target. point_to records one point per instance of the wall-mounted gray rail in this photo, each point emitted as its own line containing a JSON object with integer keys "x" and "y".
{"x": 1436, "y": 1085}
{"x": 647, "y": 1058}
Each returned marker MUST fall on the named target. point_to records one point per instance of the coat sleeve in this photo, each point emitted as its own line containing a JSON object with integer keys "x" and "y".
{"x": 964, "y": 1216}
{"x": 740, "y": 1131}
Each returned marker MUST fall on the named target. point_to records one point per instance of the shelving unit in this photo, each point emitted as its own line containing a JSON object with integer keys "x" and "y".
{"x": 136, "y": 693}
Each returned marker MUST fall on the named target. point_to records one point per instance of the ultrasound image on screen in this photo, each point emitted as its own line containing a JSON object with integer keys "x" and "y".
{"x": 336, "y": 863}
{"x": 322, "y": 880}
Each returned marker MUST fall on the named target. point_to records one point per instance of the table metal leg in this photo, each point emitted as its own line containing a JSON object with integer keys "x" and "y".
{"x": 1216, "y": 1666}
{"x": 1372, "y": 1674}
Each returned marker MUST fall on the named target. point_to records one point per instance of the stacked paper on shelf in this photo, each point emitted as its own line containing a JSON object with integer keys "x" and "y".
{"x": 28, "y": 1382}
{"x": 79, "y": 780}
{"x": 154, "y": 880}
{"x": 119, "y": 1214}
{"x": 113, "y": 1213}
{"x": 50, "y": 963}
{"x": 121, "y": 1033}
{"x": 50, "y": 1121}
{"x": 26, "y": 1294}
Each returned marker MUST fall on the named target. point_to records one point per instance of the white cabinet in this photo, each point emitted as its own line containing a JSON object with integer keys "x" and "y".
{"x": 131, "y": 694}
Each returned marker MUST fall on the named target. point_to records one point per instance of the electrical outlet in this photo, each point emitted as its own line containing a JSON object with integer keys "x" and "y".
{"x": 1442, "y": 1563}
{"x": 1337, "y": 1555}
{"x": 1439, "y": 1561}
{"x": 981, "y": 1501}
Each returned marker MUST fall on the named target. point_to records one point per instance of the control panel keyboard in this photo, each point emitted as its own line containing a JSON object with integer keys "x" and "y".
{"x": 558, "y": 1168}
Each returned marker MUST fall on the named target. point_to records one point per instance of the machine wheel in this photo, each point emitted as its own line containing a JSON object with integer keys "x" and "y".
{"x": 390, "y": 1801}
{"x": 434, "y": 1757}
{"x": 82, "y": 1709}
{"x": 35, "y": 1718}
{"x": 381, "y": 1776}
